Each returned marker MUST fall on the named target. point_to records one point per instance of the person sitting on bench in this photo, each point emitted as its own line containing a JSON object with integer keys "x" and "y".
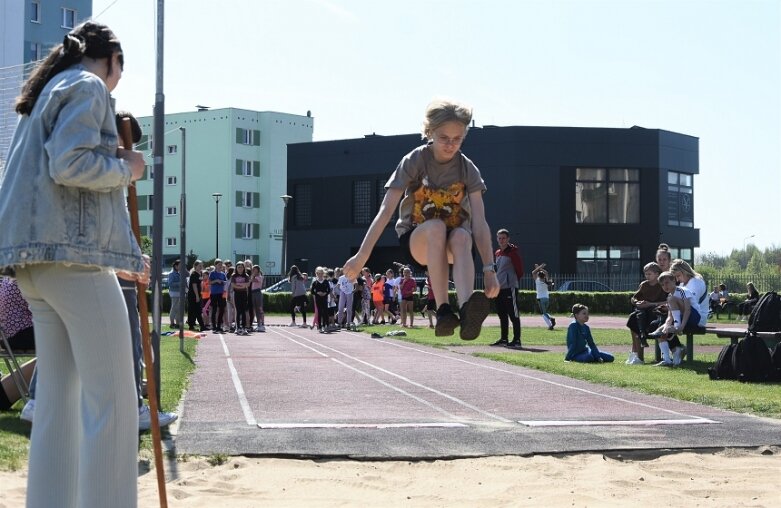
{"x": 747, "y": 306}
{"x": 684, "y": 314}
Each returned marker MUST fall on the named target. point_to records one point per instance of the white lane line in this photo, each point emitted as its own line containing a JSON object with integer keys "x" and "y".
{"x": 405, "y": 379}
{"x": 528, "y": 376}
{"x": 238, "y": 386}
{"x": 581, "y": 423}
{"x": 396, "y": 388}
{"x": 358, "y": 425}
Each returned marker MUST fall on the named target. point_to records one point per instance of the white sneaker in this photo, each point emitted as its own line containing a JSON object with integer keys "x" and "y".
{"x": 664, "y": 363}
{"x": 145, "y": 418}
{"x": 678, "y": 355}
{"x": 631, "y": 358}
{"x": 261, "y": 328}
{"x": 28, "y": 411}
{"x": 166, "y": 419}
{"x": 293, "y": 324}
{"x": 636, "y": 361}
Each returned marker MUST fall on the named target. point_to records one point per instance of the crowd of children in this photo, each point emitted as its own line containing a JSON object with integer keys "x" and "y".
{"x": 229, "y": 299}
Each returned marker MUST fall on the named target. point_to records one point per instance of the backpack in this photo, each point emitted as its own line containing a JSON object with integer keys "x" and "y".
{"x": 722, "y": 369}
{"x": 751, "y": 361}
{"x": 766, "y": 314}
{"x": 775, "y": 360}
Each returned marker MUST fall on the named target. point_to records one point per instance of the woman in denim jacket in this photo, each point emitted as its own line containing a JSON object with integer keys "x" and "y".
{"x": 66, "y": 230}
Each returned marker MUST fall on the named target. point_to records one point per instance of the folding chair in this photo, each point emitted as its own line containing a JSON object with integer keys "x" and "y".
{"x": 11, "y": 359}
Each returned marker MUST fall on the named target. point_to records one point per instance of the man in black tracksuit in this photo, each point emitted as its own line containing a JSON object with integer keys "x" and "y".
{"x": 509, "y": 270}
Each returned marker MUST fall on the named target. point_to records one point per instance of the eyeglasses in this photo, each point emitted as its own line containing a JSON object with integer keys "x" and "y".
{"x": 445, "y": 140}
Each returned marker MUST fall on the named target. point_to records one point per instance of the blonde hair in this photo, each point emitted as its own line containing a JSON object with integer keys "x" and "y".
{"x": 440, "y": 111}
{"x": 679, "y": 265}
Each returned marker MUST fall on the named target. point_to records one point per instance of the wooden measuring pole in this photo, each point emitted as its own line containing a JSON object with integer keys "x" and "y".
{"x": 126, "y": 137}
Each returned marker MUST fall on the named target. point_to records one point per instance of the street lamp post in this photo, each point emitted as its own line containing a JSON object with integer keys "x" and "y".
{"x": 284, "y": 198}
{"x": 217, "y": 197}
{"x": 747, "y": 238}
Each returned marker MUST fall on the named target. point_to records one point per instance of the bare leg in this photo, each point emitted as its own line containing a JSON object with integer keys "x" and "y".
{"x": 428, "y": 247}
{"x": 459, "y": 245}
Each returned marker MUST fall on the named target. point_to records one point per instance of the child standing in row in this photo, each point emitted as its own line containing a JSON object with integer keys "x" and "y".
{"x": 407, "y": 288}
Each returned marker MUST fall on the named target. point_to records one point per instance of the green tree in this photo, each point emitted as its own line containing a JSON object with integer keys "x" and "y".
{"x": 757, "y": 263}
{"x": 146, "y": 245}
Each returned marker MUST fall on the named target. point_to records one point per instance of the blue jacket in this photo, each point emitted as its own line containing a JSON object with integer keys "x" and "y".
{"x": 579, "y": 339}
{"x": 62, "y": 193}
{"x": 174, "y": 283}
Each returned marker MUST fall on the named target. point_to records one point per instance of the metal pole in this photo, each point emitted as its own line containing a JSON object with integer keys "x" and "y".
{"x": 182, "y": 240}
{"x": 285, "y": 199}
{"x": 157, "y": 213}
{"x": 216, "y": 197}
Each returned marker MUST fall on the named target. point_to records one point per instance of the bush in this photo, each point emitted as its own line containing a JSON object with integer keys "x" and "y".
{"x": 560, "y": 302}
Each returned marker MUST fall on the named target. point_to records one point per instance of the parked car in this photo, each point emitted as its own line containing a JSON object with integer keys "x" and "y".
{"x": 283, "y": 286}
{"x": 423, "y": 290}
{"x": 583, "y": 285}
{"x": 164, "y": 279}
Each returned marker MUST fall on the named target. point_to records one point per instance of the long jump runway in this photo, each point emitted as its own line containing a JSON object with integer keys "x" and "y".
{"x": 295, "y": 392}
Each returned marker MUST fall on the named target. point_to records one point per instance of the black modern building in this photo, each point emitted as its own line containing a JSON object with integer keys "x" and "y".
{"x": 586, "y": 201}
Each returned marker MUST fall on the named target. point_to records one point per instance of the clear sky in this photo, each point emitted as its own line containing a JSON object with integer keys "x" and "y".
{"x": 706, "y": 68}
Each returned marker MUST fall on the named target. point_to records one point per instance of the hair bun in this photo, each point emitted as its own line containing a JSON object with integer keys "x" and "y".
{"x": 73, "y": 46}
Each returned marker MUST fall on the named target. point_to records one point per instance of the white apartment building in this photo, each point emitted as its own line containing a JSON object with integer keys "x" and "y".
{"x": 240, "y": 155}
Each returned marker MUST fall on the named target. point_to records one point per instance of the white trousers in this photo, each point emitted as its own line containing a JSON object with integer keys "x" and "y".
{"x": 84, "y": 442}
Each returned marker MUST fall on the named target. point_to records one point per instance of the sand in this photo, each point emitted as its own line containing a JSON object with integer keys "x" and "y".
{"x": 725, "y": 478}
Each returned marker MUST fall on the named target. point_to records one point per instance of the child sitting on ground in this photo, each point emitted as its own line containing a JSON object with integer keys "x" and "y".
{"x": 580, "y": 343}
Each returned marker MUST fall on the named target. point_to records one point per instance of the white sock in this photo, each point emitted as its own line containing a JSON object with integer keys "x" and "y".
{"x": 676, "y": 317}
{"x": 665, "y": 347}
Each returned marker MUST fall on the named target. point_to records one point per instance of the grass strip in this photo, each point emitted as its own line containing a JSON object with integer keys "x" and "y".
{"x": 689, "y": 382}
{"x": 175, "y": 370}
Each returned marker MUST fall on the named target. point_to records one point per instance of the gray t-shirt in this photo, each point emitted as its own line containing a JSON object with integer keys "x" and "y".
{"x": 435, "y": 190}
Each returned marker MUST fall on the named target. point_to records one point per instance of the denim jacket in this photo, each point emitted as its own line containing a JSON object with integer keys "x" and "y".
{"x": 62, "y": 192}
{"x": 174, "y": 283}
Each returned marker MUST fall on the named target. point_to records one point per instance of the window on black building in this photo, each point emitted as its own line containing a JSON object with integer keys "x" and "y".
{"x": 680, "y": 200}
{"x": 362, "y": 202}
{"x": 381, "y": 196}
{"x": 608, "y": 260}
{"x": 302, "y": 204}
{"x": 607, "y": 196}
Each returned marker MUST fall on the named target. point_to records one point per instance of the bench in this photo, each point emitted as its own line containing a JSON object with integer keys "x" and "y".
{"x": 733, "y": 334}
{"x": 724, "y": 305}
{"x": 689, "y": 344}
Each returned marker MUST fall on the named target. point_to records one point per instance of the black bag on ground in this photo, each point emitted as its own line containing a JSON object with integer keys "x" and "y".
{"x": 751, "y": 361}
{"x": 722, "y": 369}
{"x": 775, "y": 360}
{"x": 766, "y": 314}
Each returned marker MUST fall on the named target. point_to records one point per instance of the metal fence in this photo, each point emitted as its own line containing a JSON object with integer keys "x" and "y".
{"x": 735, "y": 282}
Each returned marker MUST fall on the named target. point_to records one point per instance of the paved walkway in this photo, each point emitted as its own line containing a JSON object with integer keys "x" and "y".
{"x": 295, "y": 392}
